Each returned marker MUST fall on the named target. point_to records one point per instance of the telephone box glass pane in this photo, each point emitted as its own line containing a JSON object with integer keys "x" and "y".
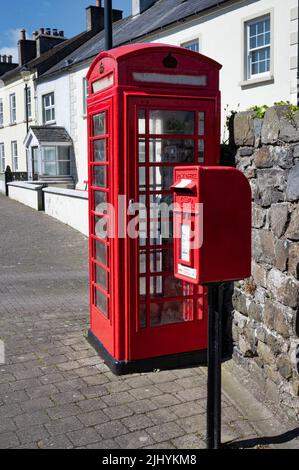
{"x": 99, "y": 124}
{"x": 142, "y": 286}
{"x": 141, "y": 150}
{"x": 141, "y": 122}
{"x": 100, "y": 175}
{"x": 171, "y": 151}
{"x": 169, "y": 286}
{"x": 142, "y": 311}
{"x": 101, "y": 227}
{"x": 142, "y": 179}
{"x": 161, "y": 178}
{"x": 100, "y": 150}
{"x": 100, "y": 199}
{"x": 163, "y": 313}
{"x": 201, "y": 151}
{"x": 101, "y": 277}
{"x": 201, "y": 123}
{"x": 101, "y": 302}
{"x": 101, "y": 252}
{"x": 171, "y": 122}
{"x": 161, "y": 227}
{"x": 142, "y": 262}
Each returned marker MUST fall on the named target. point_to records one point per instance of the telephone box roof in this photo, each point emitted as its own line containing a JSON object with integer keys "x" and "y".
{"x": 122, "y": 52}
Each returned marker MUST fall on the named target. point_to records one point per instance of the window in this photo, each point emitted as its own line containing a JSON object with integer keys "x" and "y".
{"x": 2, "y": 158}
{"x": 29, "y": 102}
{"x": 258, "y": 34}
{"x": 85, "y": 94}
{"x": 14, "y": 155}
{"x": 191, "y": 45}
{"x": 1, "y": 112}
{"x": 49, "y": 108}
{"x": 13, "y": 108}
{"x": 56, "y": 161}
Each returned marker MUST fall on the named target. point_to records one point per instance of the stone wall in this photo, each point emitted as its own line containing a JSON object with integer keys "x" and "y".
{"x": 266, "y": 316}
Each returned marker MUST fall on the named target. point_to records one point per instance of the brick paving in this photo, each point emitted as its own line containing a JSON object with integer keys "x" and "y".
{"x": 55, "y": 392}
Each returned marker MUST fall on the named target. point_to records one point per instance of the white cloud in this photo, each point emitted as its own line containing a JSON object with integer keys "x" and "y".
{"x": 9, "y": 43}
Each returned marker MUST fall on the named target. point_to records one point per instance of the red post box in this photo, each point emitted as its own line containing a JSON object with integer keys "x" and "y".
{"x": 212, "y": 224}
{"x": 151, "y": 107}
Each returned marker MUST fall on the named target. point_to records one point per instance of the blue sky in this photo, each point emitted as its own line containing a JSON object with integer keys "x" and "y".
{"x": 67, "y": 15}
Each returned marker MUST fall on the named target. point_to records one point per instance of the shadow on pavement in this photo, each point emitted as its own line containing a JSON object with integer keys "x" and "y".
{"x": 261, "y": 441}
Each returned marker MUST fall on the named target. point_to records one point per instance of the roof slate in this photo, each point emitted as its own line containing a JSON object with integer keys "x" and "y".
{"x": 51, "y": 134}
{"x": 163, "y": 13}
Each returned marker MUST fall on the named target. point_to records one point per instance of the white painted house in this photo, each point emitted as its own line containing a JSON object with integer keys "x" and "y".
{"x": 255, "y": 41}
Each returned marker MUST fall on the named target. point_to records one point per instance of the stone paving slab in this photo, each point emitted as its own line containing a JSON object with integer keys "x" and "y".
{"x": 55, "y": 392}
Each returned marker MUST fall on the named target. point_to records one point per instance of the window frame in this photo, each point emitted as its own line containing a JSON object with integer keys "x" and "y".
{"x": 248, "y": 79}
{"x": 1, "y": 113}
{"x": 2, "y": 157}
{"x": 13, "y": 108}
{"x": 50, "y": 108}
{"x": 14, "y": 155}
{"x": 185, "y": 44}
{"x": 29, "y": 102}
{"x": 57, "y": 159}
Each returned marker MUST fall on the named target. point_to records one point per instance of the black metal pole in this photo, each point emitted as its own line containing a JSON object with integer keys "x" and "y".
{"x": 108, "y": 25}
{"x": 215, "y": 301}
{"x": 298, "y": 56}
{"x": 26, "y": 108}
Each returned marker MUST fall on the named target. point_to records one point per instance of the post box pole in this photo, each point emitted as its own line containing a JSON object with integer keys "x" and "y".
{"x": 215, "y": 301}
{"x": 108, "y": 25}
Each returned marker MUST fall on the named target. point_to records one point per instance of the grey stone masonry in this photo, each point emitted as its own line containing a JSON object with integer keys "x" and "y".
{"x": 265, "y": 324}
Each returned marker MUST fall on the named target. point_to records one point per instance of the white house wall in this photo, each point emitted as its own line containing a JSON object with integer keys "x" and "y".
{"x": 79, "y": 124}
{"x": 221, "y": 38}
{"x": 61, "y": 87}
{"x": 16, "y": 132}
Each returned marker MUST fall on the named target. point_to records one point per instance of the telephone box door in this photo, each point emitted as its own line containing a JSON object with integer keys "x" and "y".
{"x": 167, "y": 316}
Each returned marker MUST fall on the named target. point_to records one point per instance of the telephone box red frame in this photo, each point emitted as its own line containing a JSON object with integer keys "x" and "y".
{"x": 127, "y": 86}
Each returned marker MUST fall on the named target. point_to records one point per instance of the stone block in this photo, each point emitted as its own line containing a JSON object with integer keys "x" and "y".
{"x": 263, "y": 157}
{"x": 284, "y": 367}
{"x": 246, "y": 152}
{"x": 294, "y": 260}
{"x": 265, "y": 353}
{"x": 257, "y": 128}
{"x": 282, "y": 156}
{"x": 278, "y": 218}
{"x": 284, "y": 288}
{"x": 258, "y": 216}
{"x": 263, "y": 247}
{"x": 272, "y": 122}
{"x": 259, "y": 274}
{"x": 281, "y": 254}
{"x": 255, "y": 311}
{"x": 293, "y": 229}
{"x": 292, "y": 192}
{"x": 244, "y": 129}
{"x": 289, "y": 128}
{"x": 239, "y": 302}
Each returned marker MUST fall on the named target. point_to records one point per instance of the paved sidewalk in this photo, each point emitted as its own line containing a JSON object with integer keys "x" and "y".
{"x": 55, "y": 392}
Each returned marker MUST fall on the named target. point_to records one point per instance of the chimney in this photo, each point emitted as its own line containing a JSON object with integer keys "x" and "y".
{"x": 27, "y": 48}
{"x": 95, "y": 17}
{"x": 139, "y": 6}
{"x": 6, "y": 64}
{"x": 47, "y": 39}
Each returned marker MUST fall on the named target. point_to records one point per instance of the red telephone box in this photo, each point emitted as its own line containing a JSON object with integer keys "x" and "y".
{"x": 151, "y": 108}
